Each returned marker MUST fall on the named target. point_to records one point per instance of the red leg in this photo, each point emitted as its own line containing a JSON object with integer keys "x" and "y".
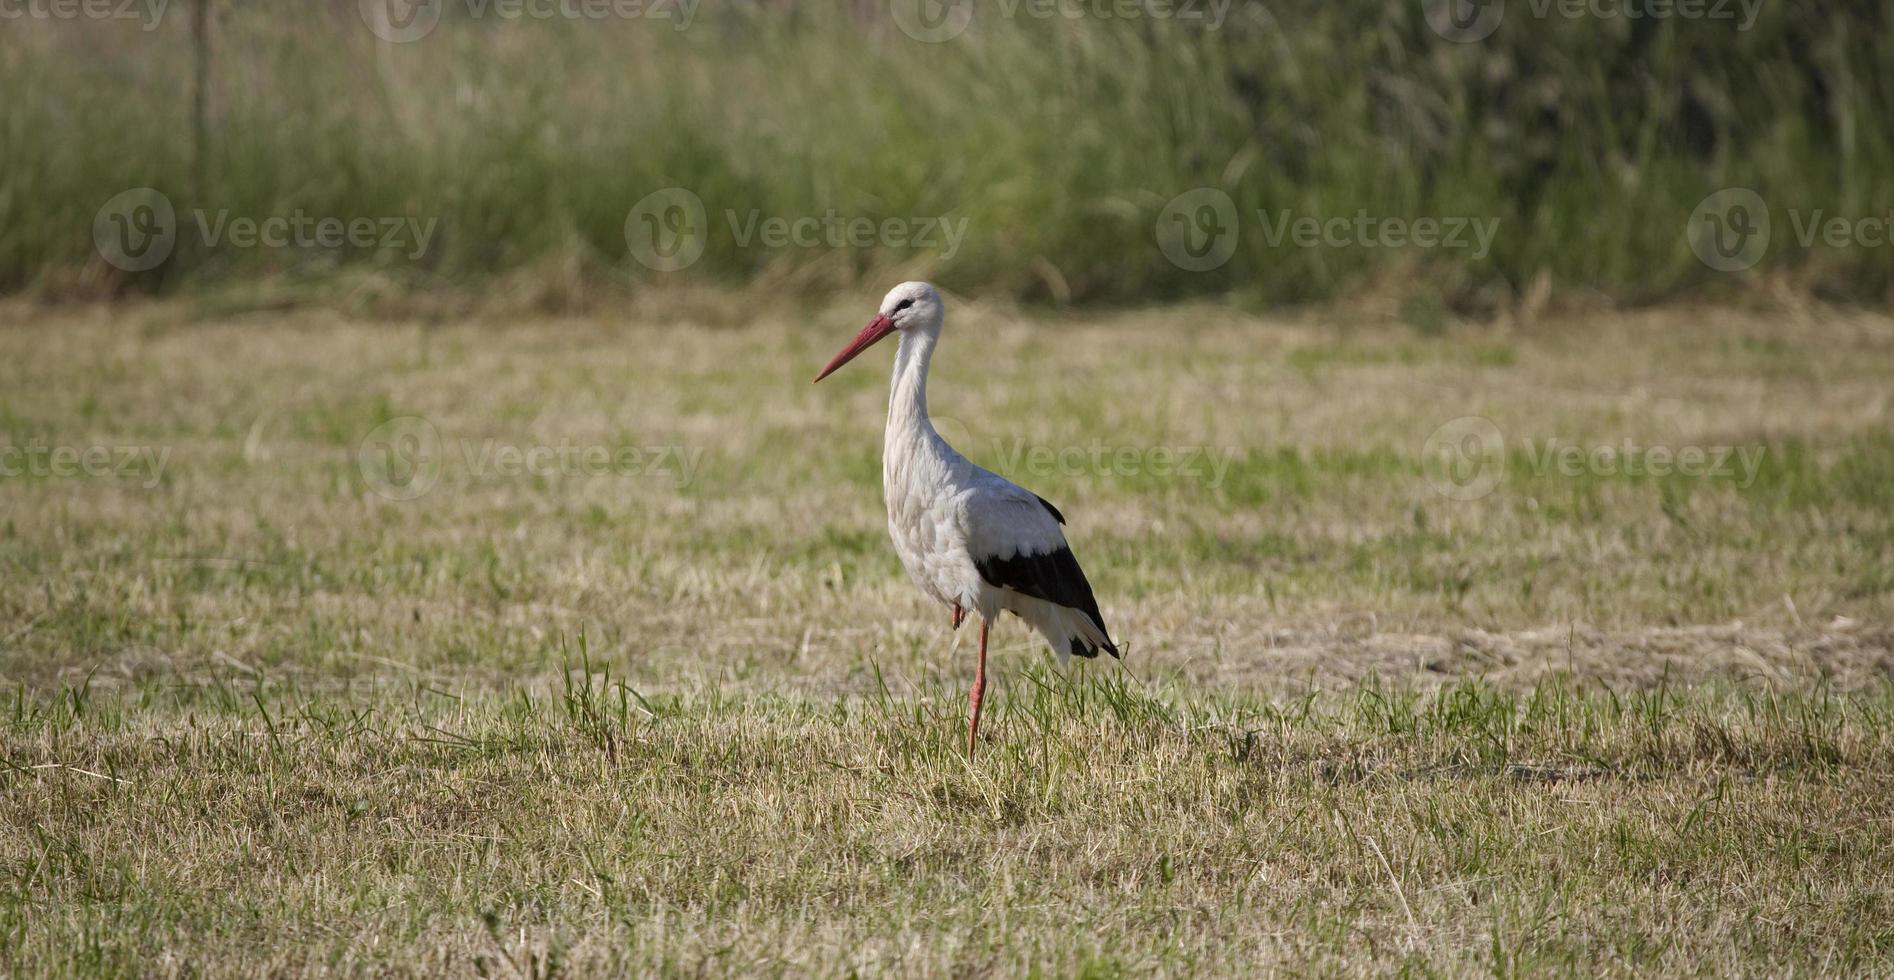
{"x": 959, "y": 615}
{"x": 977, "y": 693}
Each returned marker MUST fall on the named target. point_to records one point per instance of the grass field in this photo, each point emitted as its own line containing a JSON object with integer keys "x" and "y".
{"x": 559, "y": 646}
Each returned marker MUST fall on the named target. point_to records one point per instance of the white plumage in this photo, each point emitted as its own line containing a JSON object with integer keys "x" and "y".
{"x": 967, "y": 536}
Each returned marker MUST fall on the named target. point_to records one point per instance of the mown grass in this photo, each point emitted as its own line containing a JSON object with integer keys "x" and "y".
{"x": 1059, "y": 141}
{"x": 259, "y": 717}
{"x": 1117, "y": 824}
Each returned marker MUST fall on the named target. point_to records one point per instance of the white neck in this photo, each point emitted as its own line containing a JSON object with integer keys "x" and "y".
{"x": 907, "y": 395}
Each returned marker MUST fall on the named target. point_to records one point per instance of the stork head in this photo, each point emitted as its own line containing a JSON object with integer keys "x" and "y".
{"x": 909, "y": 306}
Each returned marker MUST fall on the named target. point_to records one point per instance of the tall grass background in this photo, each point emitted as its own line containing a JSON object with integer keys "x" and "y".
{"x": 1059, "y": 141}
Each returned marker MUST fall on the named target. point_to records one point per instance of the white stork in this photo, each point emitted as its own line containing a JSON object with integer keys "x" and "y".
{"x": 969, "y": 537}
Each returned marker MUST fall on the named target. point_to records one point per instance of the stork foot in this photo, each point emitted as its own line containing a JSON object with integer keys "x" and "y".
{"x": 959, "y": 615}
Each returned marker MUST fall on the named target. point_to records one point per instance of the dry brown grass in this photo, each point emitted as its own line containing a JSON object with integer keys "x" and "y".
{"x": 265, "y": 718}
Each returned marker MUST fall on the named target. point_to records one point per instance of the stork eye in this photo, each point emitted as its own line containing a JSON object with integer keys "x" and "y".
{"x": 904, "y": 304}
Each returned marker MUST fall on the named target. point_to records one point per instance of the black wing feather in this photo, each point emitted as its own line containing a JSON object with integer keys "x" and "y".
{"x": 1054, "y": 577}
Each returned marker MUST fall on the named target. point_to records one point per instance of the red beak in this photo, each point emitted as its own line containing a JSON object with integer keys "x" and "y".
{"x": 876, "y": 329}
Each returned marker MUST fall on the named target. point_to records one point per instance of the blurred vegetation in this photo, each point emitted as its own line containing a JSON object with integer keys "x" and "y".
{"x": 1059, "y": 141}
